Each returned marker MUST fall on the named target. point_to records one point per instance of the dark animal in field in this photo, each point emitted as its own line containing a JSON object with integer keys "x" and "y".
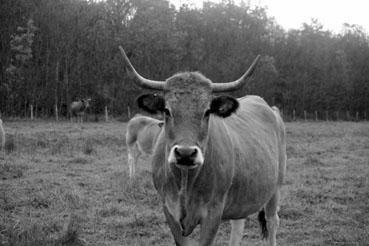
{"x": 2, "y": 135}
{"x": 141, "y": 135}
{"x": 217, "y": 157}
{"x": 78, "y": 108}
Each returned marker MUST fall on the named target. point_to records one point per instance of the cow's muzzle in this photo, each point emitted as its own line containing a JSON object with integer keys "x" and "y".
{"x": 186, "y": 156}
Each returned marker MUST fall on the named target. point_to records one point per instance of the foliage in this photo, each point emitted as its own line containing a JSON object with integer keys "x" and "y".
{"x": 56, "y": 51}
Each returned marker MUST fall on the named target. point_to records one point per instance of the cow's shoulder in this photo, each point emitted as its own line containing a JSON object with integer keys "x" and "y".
{"x": 255, "y": 112}
{"x": 142, "y": 120}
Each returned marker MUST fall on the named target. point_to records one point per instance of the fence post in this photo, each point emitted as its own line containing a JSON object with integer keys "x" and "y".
{"x": 316, "y": 115}
{"x": 129, "y": 112}
{"x": 357, "y": 116}
{"x": 326, "y": 115}
{"x": 294, "y": 115}
{"x": 337, "y": 115}
{"x": 56, "y": 113}
{"x": 106, "y": 114}
{"x": 31, "y": 109}
{"x": 305, "y": 115}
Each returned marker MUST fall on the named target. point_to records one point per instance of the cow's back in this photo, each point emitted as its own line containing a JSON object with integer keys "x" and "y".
{"x": 147, "y": 137}
{"x": 144, "y": 131}
{"x": 75, "y": 108}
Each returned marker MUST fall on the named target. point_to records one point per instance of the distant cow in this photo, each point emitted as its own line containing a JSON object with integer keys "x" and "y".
{"x": 141, "y": 135}
{"x": 2, "y": 135}
{"x": 78, "y": 108}
{"x": 217, "y": 157}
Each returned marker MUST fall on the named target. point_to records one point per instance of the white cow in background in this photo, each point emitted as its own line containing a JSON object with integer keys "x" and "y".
{"x": 141, "y": 135}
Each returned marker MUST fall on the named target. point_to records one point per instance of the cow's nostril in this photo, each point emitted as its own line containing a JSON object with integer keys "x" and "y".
{"x": 185, "y": 152}
{"x": 194, "y": 152}
{"x": 176, "y": 152}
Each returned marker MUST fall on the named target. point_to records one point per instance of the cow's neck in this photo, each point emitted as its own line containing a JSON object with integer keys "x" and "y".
{"x": 185, "y": 179}
{"x": 186, "y": 216}
{"x": 183, "y": 192}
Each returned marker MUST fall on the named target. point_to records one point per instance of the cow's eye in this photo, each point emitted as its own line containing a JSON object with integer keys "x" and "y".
{"x": 167, "y": 112}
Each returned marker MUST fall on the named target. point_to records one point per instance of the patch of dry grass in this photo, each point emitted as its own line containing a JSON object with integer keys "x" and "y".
{"x": 67, "y": 184}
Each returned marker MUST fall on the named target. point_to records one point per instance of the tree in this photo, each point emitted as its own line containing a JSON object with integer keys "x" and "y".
{"x": 19, "y": 71}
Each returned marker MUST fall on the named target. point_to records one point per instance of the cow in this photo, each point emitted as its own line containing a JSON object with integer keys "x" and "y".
{"x": 141, "y": 135}
{"x": 2, "y": 136}
{"x": 78, "y": 108}
{"x": 217, "y": 158}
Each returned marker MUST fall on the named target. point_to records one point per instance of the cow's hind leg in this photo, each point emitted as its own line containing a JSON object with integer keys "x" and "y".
{"x": 272, "y": 219}
{"x": 236, "y": 232}
{"x": 131, "y": 138}
{"x": 130, "y": 162}
{"x": 133, "y": 155}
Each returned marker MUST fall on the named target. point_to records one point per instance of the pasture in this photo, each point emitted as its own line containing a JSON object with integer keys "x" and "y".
{"x": 67, "y": 184}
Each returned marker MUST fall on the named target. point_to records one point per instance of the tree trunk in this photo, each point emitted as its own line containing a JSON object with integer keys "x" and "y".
{"x": 47, "y": 81}
{"x": 56, "y": 88}
{"x": 66, "y": 79}
{"x": 106, "y": 114}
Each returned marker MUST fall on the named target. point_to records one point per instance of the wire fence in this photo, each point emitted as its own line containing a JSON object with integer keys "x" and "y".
{"x": 326, "y": 115}
{"x": 288, "y": 115}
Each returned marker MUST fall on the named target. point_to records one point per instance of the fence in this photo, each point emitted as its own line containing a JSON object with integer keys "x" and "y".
{"x": 56, "y": 113}
{"x": 324, "y": 115}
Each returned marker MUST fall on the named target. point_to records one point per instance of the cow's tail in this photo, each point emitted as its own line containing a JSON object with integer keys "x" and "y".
{"x": 263, "y": 224}
{"x": 131, "y": 137}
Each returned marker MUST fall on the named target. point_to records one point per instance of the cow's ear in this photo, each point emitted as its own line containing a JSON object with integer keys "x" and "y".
{"x": 151, "y": 103}
{"x": 223, "y": 106}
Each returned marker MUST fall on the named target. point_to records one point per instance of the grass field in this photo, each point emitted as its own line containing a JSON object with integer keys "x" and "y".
{"x": 66, "y": 184}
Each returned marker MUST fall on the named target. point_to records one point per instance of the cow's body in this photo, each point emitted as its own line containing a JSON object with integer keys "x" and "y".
{"x": 78, "y": 108}
{"x": 2, "y": 135}
{"x": 141, "y": 135}
{"x": 243, "y": 169}
{"x": 217, "y": 157}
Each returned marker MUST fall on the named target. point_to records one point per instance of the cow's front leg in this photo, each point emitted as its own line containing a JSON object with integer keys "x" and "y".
{"x": 236, "y": 232}
{"x": 210, "y": 225}
{"x": 176, "y": 231}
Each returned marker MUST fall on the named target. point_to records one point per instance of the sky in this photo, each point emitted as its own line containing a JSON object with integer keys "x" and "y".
{"x": 292, "y": 13}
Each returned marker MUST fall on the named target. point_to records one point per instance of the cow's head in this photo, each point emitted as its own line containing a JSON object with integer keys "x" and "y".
{"x": 187, "y": 102}
{"x": 86, "y": 102}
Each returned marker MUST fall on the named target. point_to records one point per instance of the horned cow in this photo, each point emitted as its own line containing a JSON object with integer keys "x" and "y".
{"x": 141, "y": 135}
{"x": 78, "y": 108}
{"x": 217, "y": 157}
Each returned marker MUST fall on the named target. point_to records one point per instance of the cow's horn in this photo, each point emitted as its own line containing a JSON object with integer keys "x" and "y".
{"x": 139, "y": 80}
{"x": 234, "y": 85}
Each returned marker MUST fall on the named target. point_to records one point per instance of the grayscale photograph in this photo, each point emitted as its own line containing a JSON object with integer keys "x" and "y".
{"x": 184, "y": 122}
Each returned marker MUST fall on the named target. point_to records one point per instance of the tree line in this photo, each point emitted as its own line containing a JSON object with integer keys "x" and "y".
{"x": 55, "y": 51}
